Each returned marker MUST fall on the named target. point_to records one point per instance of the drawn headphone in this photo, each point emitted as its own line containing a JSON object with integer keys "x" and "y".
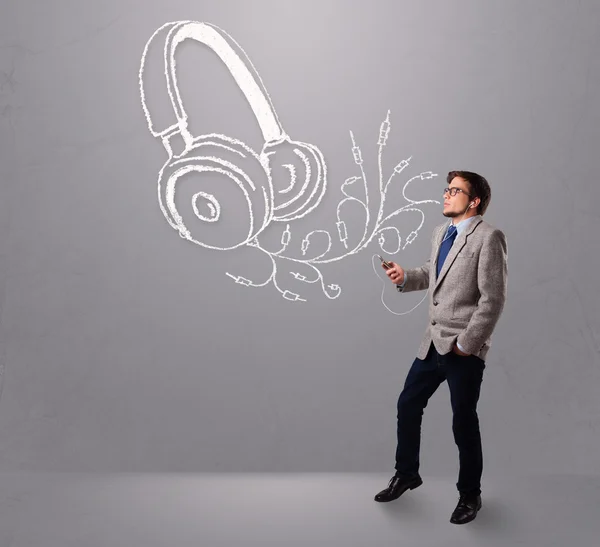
{"x": 298, "y": 169}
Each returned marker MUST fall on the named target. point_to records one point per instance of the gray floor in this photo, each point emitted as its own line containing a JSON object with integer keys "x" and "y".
{"x": 120, "y": 510}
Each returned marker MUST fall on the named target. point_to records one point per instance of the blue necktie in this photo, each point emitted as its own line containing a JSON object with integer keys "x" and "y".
{"x": 445, "y": 247}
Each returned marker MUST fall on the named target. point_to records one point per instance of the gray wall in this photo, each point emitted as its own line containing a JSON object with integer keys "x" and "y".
{"x": 127, "y": 348}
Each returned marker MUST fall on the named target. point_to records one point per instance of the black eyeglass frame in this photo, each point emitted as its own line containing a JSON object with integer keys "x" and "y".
{"x": 454, "y": 190}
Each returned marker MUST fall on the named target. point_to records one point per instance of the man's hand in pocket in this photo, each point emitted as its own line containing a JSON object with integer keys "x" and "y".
{"x": 458, "y": 352}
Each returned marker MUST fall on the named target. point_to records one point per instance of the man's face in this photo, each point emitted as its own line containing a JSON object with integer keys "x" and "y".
{"x": 455, "y": 206}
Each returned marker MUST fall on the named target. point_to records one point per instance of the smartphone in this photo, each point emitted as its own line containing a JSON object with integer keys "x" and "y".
{"x": 385, "y": 263}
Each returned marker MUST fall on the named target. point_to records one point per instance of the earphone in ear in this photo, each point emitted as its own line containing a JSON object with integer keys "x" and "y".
{"x": 238, "y": 175}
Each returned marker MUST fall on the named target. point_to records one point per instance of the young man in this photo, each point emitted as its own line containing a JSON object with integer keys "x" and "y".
{"x": 466, "y": 276}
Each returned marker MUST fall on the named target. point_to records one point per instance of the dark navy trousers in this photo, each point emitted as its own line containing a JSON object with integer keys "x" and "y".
{"x": 464, "y": 375}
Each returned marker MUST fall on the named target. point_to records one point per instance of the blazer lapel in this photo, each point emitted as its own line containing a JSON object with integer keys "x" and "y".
{"x": 438, "y": 243}
{"x": 459, "y": 243}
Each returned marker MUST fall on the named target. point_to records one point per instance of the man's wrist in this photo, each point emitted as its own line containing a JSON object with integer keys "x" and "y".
{"x": 400, "y": 286}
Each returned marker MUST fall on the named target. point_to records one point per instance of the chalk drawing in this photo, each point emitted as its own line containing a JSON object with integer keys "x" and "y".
{"x": 292, "y": 178}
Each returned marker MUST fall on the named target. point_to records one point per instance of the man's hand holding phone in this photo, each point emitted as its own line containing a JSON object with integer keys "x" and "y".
{"x": 393, "y": 271}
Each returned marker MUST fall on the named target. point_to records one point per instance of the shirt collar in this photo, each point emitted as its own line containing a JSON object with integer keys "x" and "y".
{"x": 464, "y": 224}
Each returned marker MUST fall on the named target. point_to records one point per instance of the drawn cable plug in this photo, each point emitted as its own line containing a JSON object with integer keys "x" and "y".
{"x": 411, "y": 237}
{"x": 304, "y": 245}
{"x": 402, "y": 165}
{"x": 341, "y": 226}
{"x": 298, "y": 276}
{"x": 356, "y": 151}
{"x": 288, "y": 295}
{"x": 239, "y": 279}
{"x": 285, "y": 236}
{"x": 384, "y": 131}
{"x": 348, "y": 182}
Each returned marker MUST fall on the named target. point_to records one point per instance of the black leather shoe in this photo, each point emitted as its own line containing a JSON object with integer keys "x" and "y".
{"x": 397, "y": 487}
{"x": 466, "y": 510}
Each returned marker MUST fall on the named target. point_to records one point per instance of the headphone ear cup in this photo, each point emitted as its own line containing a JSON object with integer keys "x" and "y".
{"x": 204, "y": 192}
{"x": 299, "y": 175}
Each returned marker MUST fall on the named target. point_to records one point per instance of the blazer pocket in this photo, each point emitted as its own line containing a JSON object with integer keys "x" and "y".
{"x": 466, "y": 254}
{"x": 462, "y": 313}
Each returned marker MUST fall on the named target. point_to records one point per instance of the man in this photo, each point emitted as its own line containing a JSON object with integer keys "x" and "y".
{"x": 466, "y": 276}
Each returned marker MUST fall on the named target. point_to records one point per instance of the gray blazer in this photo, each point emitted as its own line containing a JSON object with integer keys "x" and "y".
{"x": 466, "y": 301}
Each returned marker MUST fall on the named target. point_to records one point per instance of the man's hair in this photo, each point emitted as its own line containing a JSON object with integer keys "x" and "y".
{"x": 478, "y": 188}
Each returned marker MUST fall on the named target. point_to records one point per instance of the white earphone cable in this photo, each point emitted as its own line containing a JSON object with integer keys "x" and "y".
{"x": 426, "y": 292}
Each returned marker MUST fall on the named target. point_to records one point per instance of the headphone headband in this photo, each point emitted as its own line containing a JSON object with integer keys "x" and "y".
{"x": 236, "y": 61}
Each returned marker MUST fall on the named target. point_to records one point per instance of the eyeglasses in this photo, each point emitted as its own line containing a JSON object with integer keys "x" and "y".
{"x": 453, "y": 191}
